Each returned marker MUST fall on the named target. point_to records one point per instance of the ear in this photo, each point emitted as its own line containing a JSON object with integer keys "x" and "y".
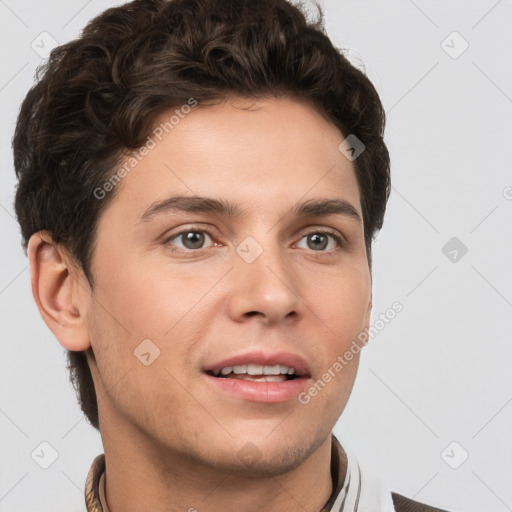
{"x": 61, "y": 297}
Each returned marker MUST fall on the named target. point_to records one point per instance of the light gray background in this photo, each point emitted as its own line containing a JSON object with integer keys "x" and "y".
{"x": 440, "y": 371}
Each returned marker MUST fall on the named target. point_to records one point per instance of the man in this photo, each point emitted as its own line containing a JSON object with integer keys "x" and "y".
{"x": 200, "y": 182}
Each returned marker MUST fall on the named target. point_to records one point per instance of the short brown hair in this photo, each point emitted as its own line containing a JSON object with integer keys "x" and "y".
{"x": 99, "y": 96}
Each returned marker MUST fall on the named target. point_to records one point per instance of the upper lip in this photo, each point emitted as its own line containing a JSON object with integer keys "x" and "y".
{"x": 264, "y": 359}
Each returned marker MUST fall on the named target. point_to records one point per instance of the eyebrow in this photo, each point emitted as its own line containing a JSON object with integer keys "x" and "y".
{"x": 195, "y": 204}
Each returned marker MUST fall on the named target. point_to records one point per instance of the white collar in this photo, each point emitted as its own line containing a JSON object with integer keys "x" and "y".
{"x": 362, "y": 491}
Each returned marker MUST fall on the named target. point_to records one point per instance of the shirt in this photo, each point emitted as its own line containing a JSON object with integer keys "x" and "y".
{"x": 356, "y": 491}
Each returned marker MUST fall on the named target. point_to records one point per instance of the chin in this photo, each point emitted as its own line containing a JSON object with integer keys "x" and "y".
{"x": 250, "y": 461}
{"x": 264, "y": 453}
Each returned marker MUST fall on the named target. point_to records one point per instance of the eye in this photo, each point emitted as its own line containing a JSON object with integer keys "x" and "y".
{"x": 191, "y": 239}
{"x": 319, "y": 241}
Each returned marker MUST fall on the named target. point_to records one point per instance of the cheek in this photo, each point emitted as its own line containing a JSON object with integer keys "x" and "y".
{"x": 148, "y": 301}
{"x": 341, "y": 301}
{"x": 172, "y": 309}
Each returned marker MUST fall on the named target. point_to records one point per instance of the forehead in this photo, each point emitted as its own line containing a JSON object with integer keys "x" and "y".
{"x": 265, "y": 153}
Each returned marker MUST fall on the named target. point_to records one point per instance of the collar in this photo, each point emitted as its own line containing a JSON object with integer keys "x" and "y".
{"x": 348, "y": 492}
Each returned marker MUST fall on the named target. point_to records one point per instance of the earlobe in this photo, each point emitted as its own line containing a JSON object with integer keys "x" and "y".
{"x": 57, "y": 293}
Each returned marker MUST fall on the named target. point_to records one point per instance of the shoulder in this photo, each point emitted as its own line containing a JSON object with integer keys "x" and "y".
{"x": 403, "y": 504}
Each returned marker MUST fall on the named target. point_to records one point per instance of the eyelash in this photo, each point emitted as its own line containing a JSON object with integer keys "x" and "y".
{"x": 338, "y": 239}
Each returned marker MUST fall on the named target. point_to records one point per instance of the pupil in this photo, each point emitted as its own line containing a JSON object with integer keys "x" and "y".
{"x": 317, "y": 237}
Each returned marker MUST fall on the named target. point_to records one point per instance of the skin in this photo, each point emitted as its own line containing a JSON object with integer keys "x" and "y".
{"x": 171, "y": 439}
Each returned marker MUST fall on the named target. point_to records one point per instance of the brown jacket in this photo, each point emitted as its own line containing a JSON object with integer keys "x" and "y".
{"x": 401, "y": 503}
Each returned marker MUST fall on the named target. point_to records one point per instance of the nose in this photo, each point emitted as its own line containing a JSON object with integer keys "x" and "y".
{"x": 266, "y": 288}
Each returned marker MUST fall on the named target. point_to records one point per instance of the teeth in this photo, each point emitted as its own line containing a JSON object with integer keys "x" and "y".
{"x": 272, "y": 370}
{"x": 256, "y": 369}
{"x": 260, "y": 378}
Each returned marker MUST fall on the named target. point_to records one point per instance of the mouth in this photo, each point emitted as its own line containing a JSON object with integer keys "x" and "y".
{"x": 260, "y": 377}
{"x": 256, "y": 373}
{"x": 258, "y": 366}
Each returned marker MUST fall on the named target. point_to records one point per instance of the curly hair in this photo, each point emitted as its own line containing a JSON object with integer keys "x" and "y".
{"x": 98, "y": 97}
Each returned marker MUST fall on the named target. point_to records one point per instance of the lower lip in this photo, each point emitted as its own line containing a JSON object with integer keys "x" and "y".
{"x": 267, "y": 392}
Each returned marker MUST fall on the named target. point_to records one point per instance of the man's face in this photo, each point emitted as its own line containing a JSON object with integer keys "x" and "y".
{"x": 268, "y": 281}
